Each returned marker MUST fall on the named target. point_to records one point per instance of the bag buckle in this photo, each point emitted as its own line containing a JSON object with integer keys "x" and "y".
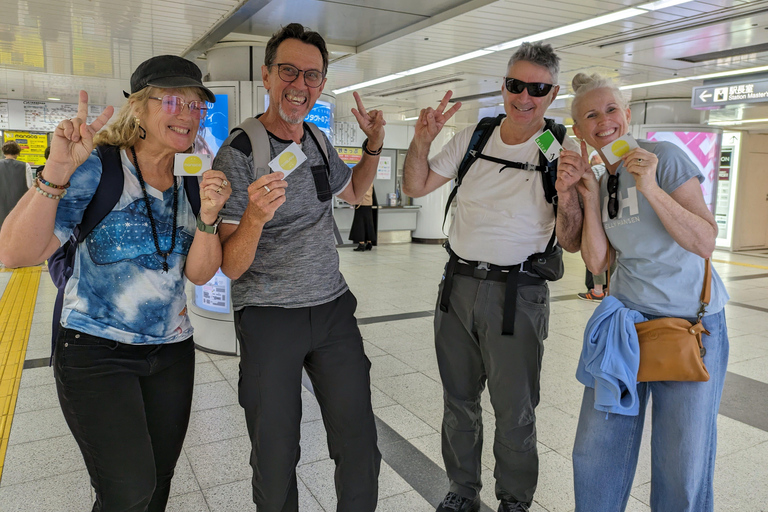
{"x": 481, "y": 270}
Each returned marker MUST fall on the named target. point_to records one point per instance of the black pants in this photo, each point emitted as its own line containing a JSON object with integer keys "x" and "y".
{"x": 128, "y": 407}
{"x": 276, "y": 343}
{"x": 363, "y": 226}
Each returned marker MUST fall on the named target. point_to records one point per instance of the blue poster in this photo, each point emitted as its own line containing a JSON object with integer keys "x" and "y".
{"x": 216, "y": 127}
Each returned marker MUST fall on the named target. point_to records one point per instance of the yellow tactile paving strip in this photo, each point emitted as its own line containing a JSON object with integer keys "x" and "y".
{"x": 750, "y": 265}
{"x": 16, "y": 309}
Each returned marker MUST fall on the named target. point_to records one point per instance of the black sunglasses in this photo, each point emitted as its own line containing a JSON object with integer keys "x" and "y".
{"x": 613, "y": 200}
{"x": 535, "y": 89}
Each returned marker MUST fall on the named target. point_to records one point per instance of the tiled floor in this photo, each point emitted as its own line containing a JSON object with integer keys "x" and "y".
{"x": 44, "y": 470}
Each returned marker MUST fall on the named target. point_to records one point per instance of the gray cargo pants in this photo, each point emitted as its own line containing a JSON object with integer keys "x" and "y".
{"x": 470, "y": 350}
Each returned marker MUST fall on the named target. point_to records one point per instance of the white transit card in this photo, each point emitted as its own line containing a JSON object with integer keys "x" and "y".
{"x": 288, "y": 160}
{"x": 191, "y": 164}
{"x": 618, "y": 148}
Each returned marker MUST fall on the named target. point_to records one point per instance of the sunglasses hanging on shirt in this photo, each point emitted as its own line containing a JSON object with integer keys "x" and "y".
{"x": 535, "y": 89}
{"x": 613, "y": 200}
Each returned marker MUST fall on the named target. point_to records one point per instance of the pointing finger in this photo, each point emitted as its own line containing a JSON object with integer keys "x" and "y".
{"x": 444, "y": 101}
{"x": 82, "y": 106}
{"x": 105, "y": 116}
{"x": 452, "y": 111}
{"x": 360, "y": 106}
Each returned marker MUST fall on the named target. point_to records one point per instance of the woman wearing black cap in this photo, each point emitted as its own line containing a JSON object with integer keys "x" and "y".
{"x": 124, "y": 356}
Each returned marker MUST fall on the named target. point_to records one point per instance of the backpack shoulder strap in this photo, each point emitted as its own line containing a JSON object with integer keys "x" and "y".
{"x": 549, "y": 173}
{"x": 260, "y": 148}
{"x": 317, "y": 134}
{"x": 479, "y": 139}
{"x": 107, "y": 193}
{"x": 192, "y": 189}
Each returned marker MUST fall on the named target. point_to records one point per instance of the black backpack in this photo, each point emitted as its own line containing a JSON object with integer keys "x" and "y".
{"x": 60, "y": 263}
{"x": 479, "y": 139}
{"x": 548, "y": 264}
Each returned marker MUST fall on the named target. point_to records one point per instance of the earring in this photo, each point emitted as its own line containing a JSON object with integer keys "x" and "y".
{"x": 142, "y": 131}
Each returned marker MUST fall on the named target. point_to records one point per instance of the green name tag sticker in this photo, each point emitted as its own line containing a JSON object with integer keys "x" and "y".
{"x": 548, "y": 145}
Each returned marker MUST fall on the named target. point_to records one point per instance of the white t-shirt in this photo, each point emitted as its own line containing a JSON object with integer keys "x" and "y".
{"x": 502, "y": 217}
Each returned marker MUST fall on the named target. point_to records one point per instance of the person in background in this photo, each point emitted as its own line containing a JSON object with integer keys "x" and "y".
{"x": 14, "y": 178}
{"x": 363, "y": 230}
{"x": 595, "y": 283}
{"x": 124, "y": 358}
{"x": 502, "y": 219}
{"x": 649, "y": 212}
{"x": 293, "y": 309}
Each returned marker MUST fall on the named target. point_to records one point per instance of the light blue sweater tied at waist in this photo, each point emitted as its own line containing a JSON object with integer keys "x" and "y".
{"x": 610, "y": 357}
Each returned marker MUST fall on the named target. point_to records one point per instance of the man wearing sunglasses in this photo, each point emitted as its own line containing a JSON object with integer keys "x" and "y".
{"x": 293, "y": 309}
{"x": 502, "y": 219}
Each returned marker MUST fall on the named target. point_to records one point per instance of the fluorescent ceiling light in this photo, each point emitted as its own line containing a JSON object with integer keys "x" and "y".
{"x": 661, "y": 4}
{"x": 654, "y": 84}
{"x": 742, "y": 121}
{"x": 411, "y": 118}
{"x": 547, "y": 34}
{"x": 54, "y": 99}
{"x": 732, "y": 72}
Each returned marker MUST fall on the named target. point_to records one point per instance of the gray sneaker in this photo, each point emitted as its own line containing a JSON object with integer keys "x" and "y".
{"x": 455, "y": 503}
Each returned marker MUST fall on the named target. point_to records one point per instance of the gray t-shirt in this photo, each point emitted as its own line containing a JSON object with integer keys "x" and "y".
{"x": 296, "y": 263}
{"x": 654, "y": 274}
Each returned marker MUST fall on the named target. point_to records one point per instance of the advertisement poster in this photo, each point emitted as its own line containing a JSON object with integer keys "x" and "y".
{"x": 214, "y": 295}
{"x": 32, "y": 146}
{"x": 350, "y": 156}
{"x": 723, "y": 193}
{"x": 703, "y": 148}
{"x": 216, "y": 126}
{"x": 384, "y": 172}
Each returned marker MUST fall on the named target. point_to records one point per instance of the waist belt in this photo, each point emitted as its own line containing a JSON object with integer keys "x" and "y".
{"x": 513, "y": 276}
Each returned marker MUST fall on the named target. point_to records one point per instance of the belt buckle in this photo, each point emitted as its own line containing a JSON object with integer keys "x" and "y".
{"x": 481, "y": 270}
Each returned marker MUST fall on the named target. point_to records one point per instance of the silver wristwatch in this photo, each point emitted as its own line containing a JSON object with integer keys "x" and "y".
{"x": 206, "y": 228}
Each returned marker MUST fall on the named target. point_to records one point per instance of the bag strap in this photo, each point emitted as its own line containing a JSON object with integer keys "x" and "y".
{"x": 479, "y": 139}
{"x": 706, "y": 287}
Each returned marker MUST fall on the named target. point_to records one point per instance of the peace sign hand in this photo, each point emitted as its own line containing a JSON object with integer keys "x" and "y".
{"x": 431, "y": 121}
{"x": 372, "y": 123}
{"x": 72, "y": 142}
{"x": 573, "y": 169}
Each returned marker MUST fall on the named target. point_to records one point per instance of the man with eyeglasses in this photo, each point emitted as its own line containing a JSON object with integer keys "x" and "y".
{"x": 293, "y": 309}
{"x": 501, "y": 220}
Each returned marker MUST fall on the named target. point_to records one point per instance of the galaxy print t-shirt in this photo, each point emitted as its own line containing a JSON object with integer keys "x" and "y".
{"x": 118, "y": 289}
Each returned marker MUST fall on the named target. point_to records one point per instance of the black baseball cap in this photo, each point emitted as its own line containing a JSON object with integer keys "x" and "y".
{"x": 168, "y": 72}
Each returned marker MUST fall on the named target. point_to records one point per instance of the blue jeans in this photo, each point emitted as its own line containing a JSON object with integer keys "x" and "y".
{"x": 683, "y": 440}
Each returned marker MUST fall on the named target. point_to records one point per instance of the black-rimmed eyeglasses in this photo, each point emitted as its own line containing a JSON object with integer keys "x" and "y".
{"x": 288, "y": 73}
{"x": 613, "y": 200}
{"x": 535, "y": 89}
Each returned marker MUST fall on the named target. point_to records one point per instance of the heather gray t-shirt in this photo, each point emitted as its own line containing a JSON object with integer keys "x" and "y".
{"x": 654, "y": 274}
{"x": 296, "y": 263}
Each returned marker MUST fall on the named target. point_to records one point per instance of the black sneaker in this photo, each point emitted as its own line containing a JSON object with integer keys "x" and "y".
{"x": 455, "y": 503}
{"x": 513, "y": 506}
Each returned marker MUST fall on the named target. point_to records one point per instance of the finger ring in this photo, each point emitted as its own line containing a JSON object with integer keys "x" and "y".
{"x": 224, "y": 183}
{"x": 267, "y": 189}
{"x": 218, "y": 190}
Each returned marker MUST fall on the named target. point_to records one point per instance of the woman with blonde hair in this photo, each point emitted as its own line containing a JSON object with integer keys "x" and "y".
{"x": 124, "y": 356}
{"x": 648, "y": 210}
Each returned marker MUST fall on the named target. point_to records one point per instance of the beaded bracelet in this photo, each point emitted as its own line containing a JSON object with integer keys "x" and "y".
{"x": 48, "y": 183}
{"x": 368, "y": 151}
{"x": 48, "y": 195}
